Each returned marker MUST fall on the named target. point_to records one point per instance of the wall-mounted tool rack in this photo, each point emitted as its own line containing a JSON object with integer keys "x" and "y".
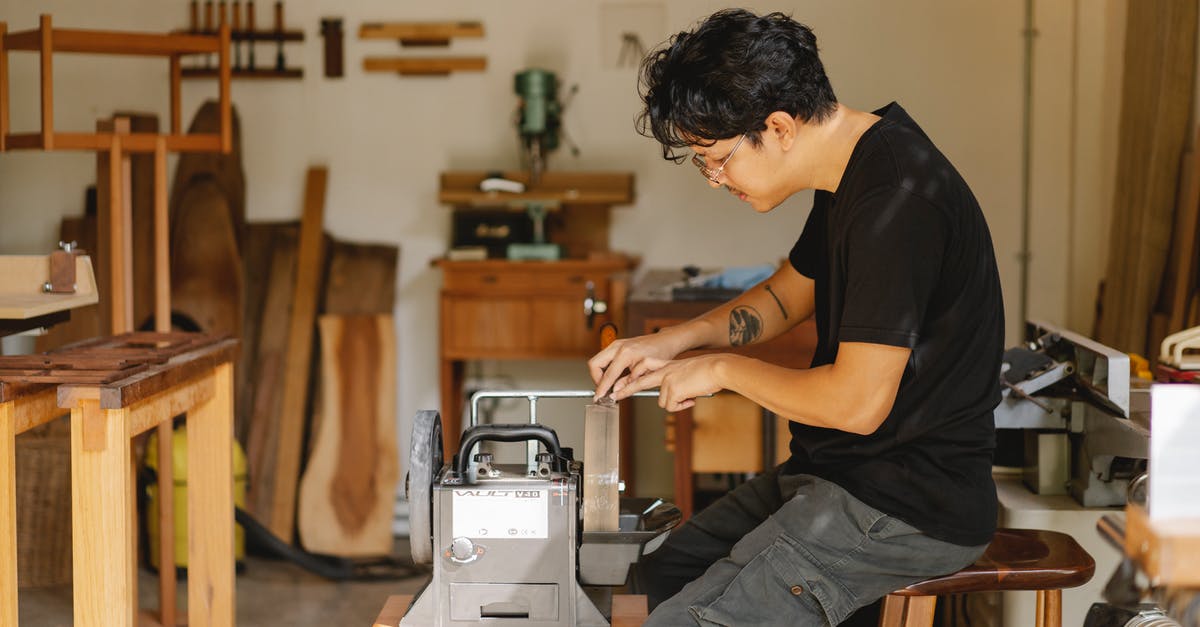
{"x": 422, "y": 34}
{"x": 118, "y": 142}
{"x": 244, "y": 33}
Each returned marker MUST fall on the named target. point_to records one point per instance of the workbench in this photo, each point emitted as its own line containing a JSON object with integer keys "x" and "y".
{"x": 116, "y": 388}
{"x": 652, "y": 308}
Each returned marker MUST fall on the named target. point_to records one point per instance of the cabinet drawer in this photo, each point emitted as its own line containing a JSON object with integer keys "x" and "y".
{"x": 569, "y": 282}
{"x": 483, "y": 280}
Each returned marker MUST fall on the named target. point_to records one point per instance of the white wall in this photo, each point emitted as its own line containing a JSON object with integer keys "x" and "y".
{"x": 956, "y": 66}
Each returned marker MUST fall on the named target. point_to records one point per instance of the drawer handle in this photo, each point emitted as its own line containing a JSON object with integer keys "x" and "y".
{"x": 575, "y": 279}
{"x": 489, "y": 278}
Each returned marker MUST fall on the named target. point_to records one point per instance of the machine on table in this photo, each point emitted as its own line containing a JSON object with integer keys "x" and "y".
{"x": 1086, "y": 421}
{"x": 515, "y": 544}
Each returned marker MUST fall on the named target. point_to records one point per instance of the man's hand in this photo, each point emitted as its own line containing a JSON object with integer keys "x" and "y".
{"x": 637, "y": 355}
{"x": 679, "y": 382}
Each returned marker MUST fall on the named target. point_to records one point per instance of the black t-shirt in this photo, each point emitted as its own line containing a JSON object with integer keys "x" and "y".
{"x": 901, "y": 255}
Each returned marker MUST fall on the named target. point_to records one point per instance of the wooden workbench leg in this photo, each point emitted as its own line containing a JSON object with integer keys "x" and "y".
{"x": 684, "y": 483}
{"x": 8, "y": 516}
{"x": 101, "y": 512}
{"x": 210, "y": 506}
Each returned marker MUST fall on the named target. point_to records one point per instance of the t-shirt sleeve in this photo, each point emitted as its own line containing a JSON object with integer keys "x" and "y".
{"x": 894, "y": 247}
{"x": 807, "y": 249}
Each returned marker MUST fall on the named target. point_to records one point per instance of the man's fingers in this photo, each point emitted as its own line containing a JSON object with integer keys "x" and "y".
{"x": 648, "y": 381}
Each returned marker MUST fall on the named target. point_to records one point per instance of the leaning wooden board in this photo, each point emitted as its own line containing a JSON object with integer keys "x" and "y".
{"x": 348, "y": 491}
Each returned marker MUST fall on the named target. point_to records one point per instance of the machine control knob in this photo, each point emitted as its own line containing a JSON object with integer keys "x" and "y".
{"x": 463, "y": 551}
{"x": 483, "y": 458}
{"x": 544, "y": 457}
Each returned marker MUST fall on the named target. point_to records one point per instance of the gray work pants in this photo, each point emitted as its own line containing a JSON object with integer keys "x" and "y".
{"x": 787, "y": 550}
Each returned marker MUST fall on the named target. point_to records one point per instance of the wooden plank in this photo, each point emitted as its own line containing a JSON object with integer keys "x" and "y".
{"x": 424, "y": 65}
{"x": 393, "y": 610}
{"x": 210, "y": 507}
{"x": 1160, "y": 44}
{"x": 162, "y": 240}
{"x": 299, "y": 353}
{"x": 21, "y": 294}
{"x": 270, "y": 357}
{"x": 113, "y": 42}
{"x": 575, "y": 188}
{"x": 1163, "y": 549}
{"x": 140, "y": 234}
{"x": 361, "y": 279}
{"x": 601, "y": 463}
{"x": 206, "y": 267}
{"x": 258, "y": 250}
{"x": 101, "y": 508}
{"x": 1186, "y": 231}
{"x": 420, "y": 31}
{"x": 347, "y": 493}
{"x": 46, "y": 64}
{"x": 3, "y": 86}
{"x": 628, "y": 610}
{"x": 8, "y": 512}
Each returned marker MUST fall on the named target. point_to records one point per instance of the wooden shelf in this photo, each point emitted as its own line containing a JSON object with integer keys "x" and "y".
{"x": 131, "y": 142}
{"x": 256, "y": 35}
{"x": 257, "y": 74}
{"x": 420, "y": 33}
{"x": 424, "y": 66}
{"x": 555, "y": 188}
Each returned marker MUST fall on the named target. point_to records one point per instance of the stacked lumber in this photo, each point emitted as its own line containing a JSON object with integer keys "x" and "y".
{"x": 293, "y": 274}
{"x": 1156, "y": 102}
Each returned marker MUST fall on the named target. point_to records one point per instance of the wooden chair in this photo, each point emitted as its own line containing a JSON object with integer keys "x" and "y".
{"x": 1017, "y": 559}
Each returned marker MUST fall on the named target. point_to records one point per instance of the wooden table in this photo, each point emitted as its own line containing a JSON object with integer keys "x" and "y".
{"x": 651, "y": 309}
{"x": 115, "y": 389}
{"x": 21, "y": 409}
{"x": 628, "y": 610}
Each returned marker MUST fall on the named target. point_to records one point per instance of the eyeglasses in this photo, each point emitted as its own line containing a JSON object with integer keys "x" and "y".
{"x": 714, "y": 175}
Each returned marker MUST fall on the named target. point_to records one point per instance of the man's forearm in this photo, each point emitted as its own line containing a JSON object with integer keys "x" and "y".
{"x": 757, "y": 315}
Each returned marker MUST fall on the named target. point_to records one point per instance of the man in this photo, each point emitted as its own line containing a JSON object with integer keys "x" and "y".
{"x": 889, "y": 481}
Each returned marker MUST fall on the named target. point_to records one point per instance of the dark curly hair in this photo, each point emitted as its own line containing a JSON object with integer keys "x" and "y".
{"x": 725, "y": 77}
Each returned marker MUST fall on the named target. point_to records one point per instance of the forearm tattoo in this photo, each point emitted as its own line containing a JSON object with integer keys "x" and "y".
{"x": 745, "y": 325}
{"x": 777, "y": 301}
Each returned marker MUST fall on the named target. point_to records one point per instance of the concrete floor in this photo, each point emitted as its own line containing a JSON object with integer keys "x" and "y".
{"x": 269, "y": 592}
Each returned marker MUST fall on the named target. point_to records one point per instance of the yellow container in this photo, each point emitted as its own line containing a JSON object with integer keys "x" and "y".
{"x": 179, "y": 453}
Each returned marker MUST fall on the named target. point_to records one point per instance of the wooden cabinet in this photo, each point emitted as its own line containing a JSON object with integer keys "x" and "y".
{"x": 500, "y": 309}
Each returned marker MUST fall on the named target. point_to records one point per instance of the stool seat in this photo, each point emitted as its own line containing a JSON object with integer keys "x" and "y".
{"x": 1017, "y": 559}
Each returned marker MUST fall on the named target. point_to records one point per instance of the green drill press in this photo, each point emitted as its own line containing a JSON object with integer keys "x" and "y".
{"x": 539, "y": 117}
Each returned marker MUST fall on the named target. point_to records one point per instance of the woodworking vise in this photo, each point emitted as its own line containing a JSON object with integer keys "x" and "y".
{"x": 529, "y": 544}
{"x": 1086, "y": 420}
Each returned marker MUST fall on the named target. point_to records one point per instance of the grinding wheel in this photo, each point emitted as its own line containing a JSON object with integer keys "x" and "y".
{"x": 425, "y": 460}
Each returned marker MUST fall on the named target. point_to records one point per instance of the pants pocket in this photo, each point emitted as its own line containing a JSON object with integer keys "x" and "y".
{"x": 781, "y": 586}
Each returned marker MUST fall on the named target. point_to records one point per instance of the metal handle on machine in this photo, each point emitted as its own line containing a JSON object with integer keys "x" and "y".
{"x": 532, "y": 396}
{"x": 505, "y": 433}
{"x": 592, "y": 306}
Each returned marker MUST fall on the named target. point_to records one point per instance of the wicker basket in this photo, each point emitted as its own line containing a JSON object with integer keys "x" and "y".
{"x": 43, "y": 508}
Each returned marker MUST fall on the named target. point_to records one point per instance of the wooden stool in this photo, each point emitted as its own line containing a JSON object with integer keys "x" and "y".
{"x": 117, "y": 388}
{"x": 1017, "y": 559}
{"x": 628, "y": 610}
{"x": 22, "y": 407}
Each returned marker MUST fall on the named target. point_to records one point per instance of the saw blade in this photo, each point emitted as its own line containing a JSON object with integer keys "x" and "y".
{"x": 425, "y": 460}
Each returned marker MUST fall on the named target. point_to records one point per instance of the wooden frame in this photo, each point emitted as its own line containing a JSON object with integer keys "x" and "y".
{"x": 17, "y": 415}
{"x": 46, "y": 40}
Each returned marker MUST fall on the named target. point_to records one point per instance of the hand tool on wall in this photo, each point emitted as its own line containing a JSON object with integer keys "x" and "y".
{"x": 280, "y": 63}
{"x": 331, "y": 30}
